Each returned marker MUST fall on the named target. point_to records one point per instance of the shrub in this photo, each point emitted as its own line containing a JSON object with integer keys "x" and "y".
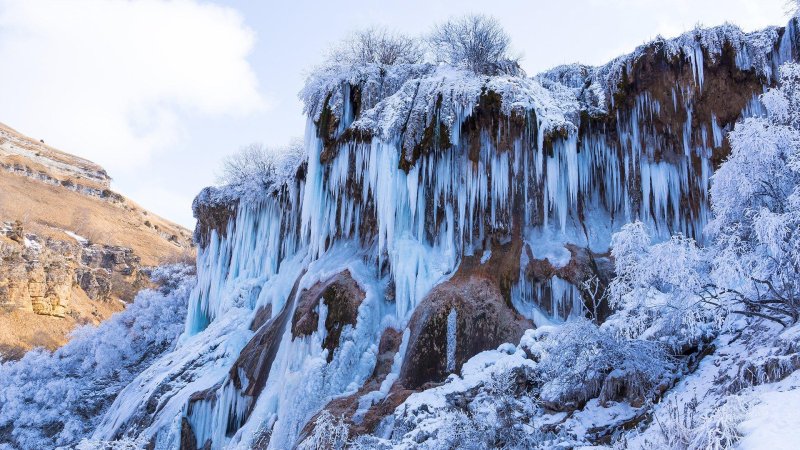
{"x": 330, "y": 433}
{"x": 580, "y": 361}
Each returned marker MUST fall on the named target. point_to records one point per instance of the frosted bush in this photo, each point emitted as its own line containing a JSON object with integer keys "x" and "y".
{"x": 656, "y": 293}
{"x": 330, "y": 433}
{"x": 121, "y": 444}
{"x": 577, "y": 359}
{"x": 681, "y": 427}
{"x": 54, "y": 399}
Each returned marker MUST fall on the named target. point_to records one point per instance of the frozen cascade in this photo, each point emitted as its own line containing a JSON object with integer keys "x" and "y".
{"x": 400, "y": 224}
{"x": 232, "y": 271}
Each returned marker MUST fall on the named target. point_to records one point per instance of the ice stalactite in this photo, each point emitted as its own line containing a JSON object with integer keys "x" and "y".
{"x": 548, "y": 302}
{"x": 258, "y": 239}
{"x": 452, "y": 323}
{"x": 696, "y": 59}
{"x": 218, "y": 415}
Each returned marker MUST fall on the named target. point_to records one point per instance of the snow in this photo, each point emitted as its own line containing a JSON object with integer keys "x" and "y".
{"x": 773, "y": 423}
{"x": 81, "y": 240}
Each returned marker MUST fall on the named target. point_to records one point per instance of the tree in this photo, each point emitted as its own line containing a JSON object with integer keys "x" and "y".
{"x": 476, "y": 42}
{"x": 755, "y": 198}
{"x": 260, "y": 167}
{"x": 377, "y": 46}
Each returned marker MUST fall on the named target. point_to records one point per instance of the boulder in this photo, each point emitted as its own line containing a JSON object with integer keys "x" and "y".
{"x": 342, "y": 296}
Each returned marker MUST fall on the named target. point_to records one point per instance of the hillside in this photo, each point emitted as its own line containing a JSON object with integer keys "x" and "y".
{"x": 71, "y": 247}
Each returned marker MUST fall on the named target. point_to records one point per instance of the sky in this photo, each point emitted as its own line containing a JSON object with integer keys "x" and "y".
{"x": 160, "y": 92}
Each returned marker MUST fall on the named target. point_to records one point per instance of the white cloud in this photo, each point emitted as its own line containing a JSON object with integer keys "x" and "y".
{"x": 115, "y": 80}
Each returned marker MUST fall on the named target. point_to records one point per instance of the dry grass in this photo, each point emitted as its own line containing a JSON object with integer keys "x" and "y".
{"x": 45, "y": 210}
{"x": 22, "y": 330}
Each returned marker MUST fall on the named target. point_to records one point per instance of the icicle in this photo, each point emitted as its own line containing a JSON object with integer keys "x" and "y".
{"x": 546, "y": 303}
{"x": 695, "y": 55}
{"x": 716, "y": 131}
{"x": 452, "y": 319}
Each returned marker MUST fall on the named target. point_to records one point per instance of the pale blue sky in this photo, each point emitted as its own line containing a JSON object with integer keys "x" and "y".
{"x": 159, "y": 92}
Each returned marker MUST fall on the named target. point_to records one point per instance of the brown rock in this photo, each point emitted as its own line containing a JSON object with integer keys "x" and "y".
{"x": 483, "y": 322}
{"x": 342, "y": 296}
{"x": 211, "y": 216}
{"x": 188, "y": 439}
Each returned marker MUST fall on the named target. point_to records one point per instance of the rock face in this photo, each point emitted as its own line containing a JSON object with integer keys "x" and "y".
{"x": 456, "y": 321}
{"x": 341, "y": 296}
{"x": 213, "y": 215}
{"x": 39, "y": 275}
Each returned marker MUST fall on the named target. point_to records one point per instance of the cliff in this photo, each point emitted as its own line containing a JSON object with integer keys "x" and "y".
{"x": 439, "y": 219}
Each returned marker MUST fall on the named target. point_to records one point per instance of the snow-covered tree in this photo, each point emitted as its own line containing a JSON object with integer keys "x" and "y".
{"x": 257, "y": 167}
{"x": 658, "y": 287}
{"x": 476, "y": 42}
{"x": 376, "y": 46}
{"x": 756, "y": 203}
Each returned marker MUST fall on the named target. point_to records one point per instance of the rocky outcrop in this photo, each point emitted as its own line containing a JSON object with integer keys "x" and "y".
{"x": 39, "y": 274}
{"x": 341, "y": 296}
{"x": 213, "y": 211}
{"x": 439, "y": 344}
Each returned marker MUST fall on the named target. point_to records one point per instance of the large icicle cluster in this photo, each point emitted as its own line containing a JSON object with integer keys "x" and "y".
{"x": 409, "y": 170}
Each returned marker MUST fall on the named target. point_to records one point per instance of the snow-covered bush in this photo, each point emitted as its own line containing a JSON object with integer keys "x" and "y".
{"x": 120, "y": 444}
{"x": 497, "y": 413}
{"x": 682, "y": 427}
{"x": 579, "y": 361}
{"x": 258, "y": 168}
{"x": 330, "y": 433}
{"x": 656, "y": 291}
{"x": 376, "y": 46}
{"x": 475, "y": 42}
{"x": 54, "y": 399}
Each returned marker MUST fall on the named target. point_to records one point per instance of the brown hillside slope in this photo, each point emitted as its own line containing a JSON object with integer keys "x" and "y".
{"x": 71, "y": 250}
